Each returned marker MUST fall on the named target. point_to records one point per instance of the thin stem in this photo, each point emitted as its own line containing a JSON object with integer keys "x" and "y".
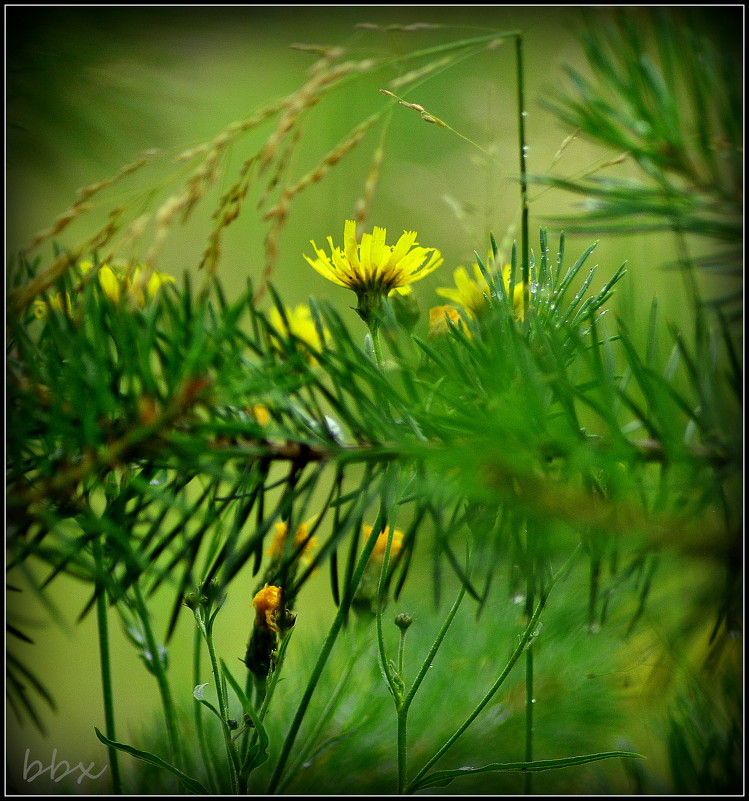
{"x": 249, "y": 737}
{"x": 275, "y": 676}
{"x": 527, "y": 633}
{"x": 105, "y": 662}
{"x": 401, "y": 651}
{"x": 402, "y": 749}
{"x": 223, "y": 707}
{"x": 375, "y": 331}
{"x": 396, "y": 681}
{"x": 529, "y": 701}
{"x": 406, "y": 703}
{"x": 433, "y": 650}
{"x": 170, "y": 715}
{"x": 207, "y": 761}
{"x": 395, "y": 688}
{"x": 248, "y": 690}
{"x": 314, "y": 736}
{"x": 516, "y": 654}
{"x": 523, "y": 168}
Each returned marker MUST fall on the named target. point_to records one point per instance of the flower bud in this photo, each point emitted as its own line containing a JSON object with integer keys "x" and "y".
{"x": 403, "y": 620}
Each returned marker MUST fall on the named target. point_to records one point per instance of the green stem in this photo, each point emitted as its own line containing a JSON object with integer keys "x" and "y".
{"x": 529, "y": 701}
{"x": 248, "y": 691}
{"x": 249, "y": 737}
{"x": 314, "y": 736}
{"x": 433, "y": 650}
{"x": 170, "y": 715}
{"x": 406, "y": 704}
{"x": 401, "y": 651}
{"x": 375, "y": 331}
{"x": 402, "y": 749}
{"x": 395, "y": 682}
{"x": 327, "y": 647}
{"x": 207, "y": 761}
{"x": 223, "y": 706}
{"x": 527, "y": 633}
{"x": 523, "y": 167}
{"x": 516, "y": 654}
{"x": 386, "y": 669}
{"x": 275, "y": 675}
{"x": 105, "y": 662}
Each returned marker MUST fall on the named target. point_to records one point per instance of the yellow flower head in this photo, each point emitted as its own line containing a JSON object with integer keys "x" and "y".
{"x": 267, "y": 605}
{"x": 371, "y": 268}
{"x": 58, "y": 302}
{"x": 300, "y": 323}
{"x": 110, "y": 283}
{"x": 278, "y": 545}
{"x": 438, "y": 320}
{"x": 261, "y": 414}
{"x": 378, "y": 553}
{"x": 143, "y": 285}
{"x": 472, "y": 293}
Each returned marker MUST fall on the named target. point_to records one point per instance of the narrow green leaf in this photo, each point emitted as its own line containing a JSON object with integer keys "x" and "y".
{"x": 442, "y": 778}
{"x": 258, "y": 754}
{"x": 193, "y": 785}
{"x": 234, "y": 685}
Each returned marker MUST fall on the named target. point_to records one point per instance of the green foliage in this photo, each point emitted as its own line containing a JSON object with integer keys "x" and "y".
{"x": 191, "y": 784}
{"x": 182, "y": 442}
{"x": 663, "y": 92}
{"x": 444, "y": 777}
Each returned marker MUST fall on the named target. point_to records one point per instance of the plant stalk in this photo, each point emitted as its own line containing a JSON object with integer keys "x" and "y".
{"x": 206, "y": 629}
{"x": 529, "y": 700}
{"x": 106, "y": 667}
{"x": 207, "y": 761}
{"x": 374, "y": 329}
{"x": 402, "y": 748}
{"x": 523, "y": 169}
{"x": 525, "y": 638}
{"x": 170, "y": 714}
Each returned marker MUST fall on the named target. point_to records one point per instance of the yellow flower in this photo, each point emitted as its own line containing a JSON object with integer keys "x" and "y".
{"x": 278, "y": 545}
{"x": 438, "y": 321}
{"x": 373, "y": 269}
{"x": 140, "y": 284}
{"x": 267, "y": 605}
{"x": 110, "y": 283}
{"x": 58, "y": 302}
{"x": 143, "y": 285}
{"x": 110, "y": 280}
{"x": 472, "y": 293}
{"x": 260, "y": 412}
{"x": 378, "y": 553}
{"x": 300, "y": 323}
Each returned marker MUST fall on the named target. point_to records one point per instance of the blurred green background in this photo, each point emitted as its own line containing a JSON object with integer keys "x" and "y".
{"x": 89, "y": 89}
